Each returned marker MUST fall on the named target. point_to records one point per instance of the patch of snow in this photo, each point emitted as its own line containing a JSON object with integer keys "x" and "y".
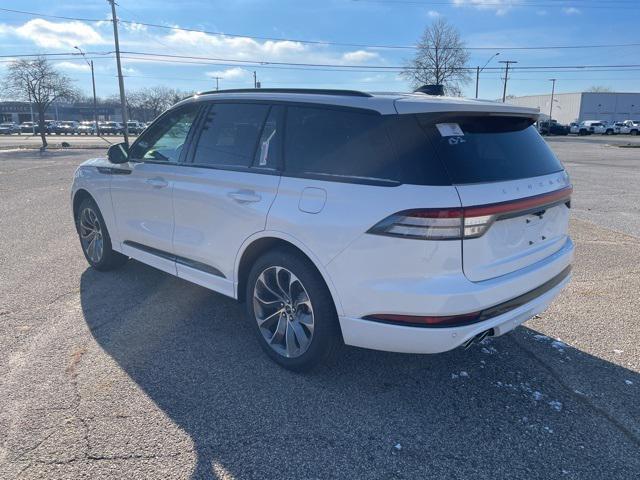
{"x": 548, "y": 430}
{"x": 556, "y": 405}
{"x": 615, "y": 350}
{"x": 540, "y": 337}
{"x": 558, "y": 345}
{"x": 464, "y": 374}
{"x": 397, "y": 446}
{"x": 489, "y": 350}
{"x": 537, "y": 396}
{"x": 628, "y": 382}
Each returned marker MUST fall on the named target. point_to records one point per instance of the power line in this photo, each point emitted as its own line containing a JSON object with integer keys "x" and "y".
{"x": 319, "y": 42}
{"x": 216, "y": 61}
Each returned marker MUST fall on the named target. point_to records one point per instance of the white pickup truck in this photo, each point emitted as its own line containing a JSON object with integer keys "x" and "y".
{"x": 628, "y": 127}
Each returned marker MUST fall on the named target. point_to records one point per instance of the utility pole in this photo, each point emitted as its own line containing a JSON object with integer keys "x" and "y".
{"x": 255, "y": 80}
{"x": 506, "y": 77}
{"x": 553, "y": 90}
{"x": 123, "y": 102}
{"x": 217, "y": 85}
{"x": 93, "y": 83}
{"x": 478, "y": 70}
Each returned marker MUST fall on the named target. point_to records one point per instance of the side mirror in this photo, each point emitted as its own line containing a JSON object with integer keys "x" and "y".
{"x": 118, "y": 153}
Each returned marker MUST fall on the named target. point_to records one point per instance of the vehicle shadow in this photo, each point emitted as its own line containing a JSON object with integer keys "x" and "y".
{"x": 519, "y": 406}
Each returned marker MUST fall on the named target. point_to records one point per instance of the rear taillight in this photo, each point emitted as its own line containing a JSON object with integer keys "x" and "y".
{"x": 426, "y": 224}
{"x": 464, "y": 222}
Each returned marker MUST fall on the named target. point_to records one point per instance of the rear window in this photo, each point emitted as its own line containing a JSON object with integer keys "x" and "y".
{"x": 480, "y": 148}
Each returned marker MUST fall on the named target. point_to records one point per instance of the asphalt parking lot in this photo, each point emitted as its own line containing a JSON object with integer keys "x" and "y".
{"x": 136, "y": 374}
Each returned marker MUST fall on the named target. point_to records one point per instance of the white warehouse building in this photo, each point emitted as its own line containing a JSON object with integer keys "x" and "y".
{"x": 577, "y": 107}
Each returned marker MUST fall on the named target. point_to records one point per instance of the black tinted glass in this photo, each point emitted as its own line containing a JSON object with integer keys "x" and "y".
{"x": 337, "y": 143}
{"x": 477, "y": 149}
{"x": 230, "y": 134}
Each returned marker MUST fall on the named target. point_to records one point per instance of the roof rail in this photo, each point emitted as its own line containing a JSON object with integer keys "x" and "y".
{"x": 313, "y": 91}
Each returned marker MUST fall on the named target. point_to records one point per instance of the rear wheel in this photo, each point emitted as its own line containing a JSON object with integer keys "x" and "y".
{"x": 292, "y": 310}
{"x": 95, "y": 239}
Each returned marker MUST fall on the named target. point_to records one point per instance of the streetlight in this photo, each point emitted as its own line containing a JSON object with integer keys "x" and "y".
{"x": 478, "y": 70}
{"x": 93, "y": 83}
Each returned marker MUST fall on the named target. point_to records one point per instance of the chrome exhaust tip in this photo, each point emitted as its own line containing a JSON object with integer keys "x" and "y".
{"x": 478, "y": 338}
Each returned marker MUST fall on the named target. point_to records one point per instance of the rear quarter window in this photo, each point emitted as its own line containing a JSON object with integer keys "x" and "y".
{"x": 358, "y": 145}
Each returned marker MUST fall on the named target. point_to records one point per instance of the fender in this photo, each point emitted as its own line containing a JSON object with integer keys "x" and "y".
{"x": 297, "y": 243}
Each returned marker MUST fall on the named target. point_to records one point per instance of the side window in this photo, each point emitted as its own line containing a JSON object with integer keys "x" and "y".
{"x": 337, "y": 142}
{"x": 270, "y": 144}
{"x": 230, "y": 134}
{"x": 163, "y": 141}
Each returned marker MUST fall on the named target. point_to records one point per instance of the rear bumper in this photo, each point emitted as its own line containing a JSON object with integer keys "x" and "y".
{"x": 409, "y": 339}
{"x": 448, "y": 295}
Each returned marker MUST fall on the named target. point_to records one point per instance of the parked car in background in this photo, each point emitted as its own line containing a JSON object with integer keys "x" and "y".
{"x": 87, "y": 128}
{"x": 135, "y": 128}
{"x": 574, "y": 127}
{"x": 65, "y": 128}
{"x": 609, "y": 128}
{"x": 592, "y": 126}
{"x": 27, "y": 127}
{"x": 110, "y": 128}
{"x": 554, "y": 128}
{"x": 457, "y": 224}
{"x": 9, "y": 128}
{"x": 633, "y": 126}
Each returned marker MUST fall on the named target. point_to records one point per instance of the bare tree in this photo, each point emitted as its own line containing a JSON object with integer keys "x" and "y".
{"x": 441, "y": 59}
{"x": 149, "y": 102}
{"x": 38, "y": 82}
{"x": 598, "y": 89}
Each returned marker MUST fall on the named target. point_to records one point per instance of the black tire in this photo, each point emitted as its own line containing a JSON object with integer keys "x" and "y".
{"x": 634, "y": 132}
{"x": 108, "y": 259}
{"x": 326, "y": 339}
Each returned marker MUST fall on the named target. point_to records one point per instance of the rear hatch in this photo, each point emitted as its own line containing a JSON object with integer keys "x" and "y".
{"x": 513, "y": 190}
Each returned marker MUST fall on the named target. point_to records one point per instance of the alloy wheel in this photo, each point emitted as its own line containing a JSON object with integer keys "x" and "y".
{"x": 283, "y": 311}
{"x": 91, "y": 235}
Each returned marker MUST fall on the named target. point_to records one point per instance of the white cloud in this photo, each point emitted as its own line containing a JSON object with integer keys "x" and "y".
{"x": 75, "y": 67}
{"x": 58, "y": 34}
{"x": 229, "y": 74}
{"x": 199, "y": 43}
{"x": 501, "y": 7}
{"x": 132, "y": 27}
{"x": 571, "y": 11}
{"x": 433, "y": 14}
{"x": 359, "y": 56}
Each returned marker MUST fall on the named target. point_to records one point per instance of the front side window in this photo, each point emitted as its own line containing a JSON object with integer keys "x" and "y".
{"x": 164, "y": 140}
{"x": 230, "y": 134}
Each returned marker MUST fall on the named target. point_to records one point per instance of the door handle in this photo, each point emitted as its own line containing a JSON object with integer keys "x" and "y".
{"x": 245, "y": 196}
{"x": 157, "y": 182}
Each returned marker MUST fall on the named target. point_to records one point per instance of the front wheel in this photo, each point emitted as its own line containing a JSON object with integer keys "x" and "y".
{"x": 292, "y": 309}
{"x": 95, "y": 239}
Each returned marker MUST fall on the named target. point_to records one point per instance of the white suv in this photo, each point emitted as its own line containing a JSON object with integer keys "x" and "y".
{"x": 397, "y": 222}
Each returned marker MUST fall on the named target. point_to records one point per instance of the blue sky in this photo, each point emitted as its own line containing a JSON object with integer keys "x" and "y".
{"x": 482, "y": 23}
